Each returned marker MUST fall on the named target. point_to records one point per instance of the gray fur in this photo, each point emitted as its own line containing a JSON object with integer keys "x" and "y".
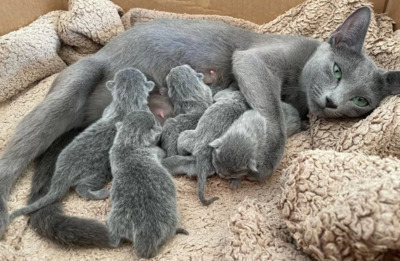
{"x": 143, "y": 194}
{"x": 84, "y": 163}
{"x": 214, "y": 122}
{"x": 292, "y": 119}
{"x": 241, "y": 150}
{"x": 50, "y": 221}
{"x": 268, "y": 68}
{"x": 190, "y": 98}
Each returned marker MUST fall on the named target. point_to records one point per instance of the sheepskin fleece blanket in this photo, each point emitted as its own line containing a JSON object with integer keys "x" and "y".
{"x": 335, "y": 196}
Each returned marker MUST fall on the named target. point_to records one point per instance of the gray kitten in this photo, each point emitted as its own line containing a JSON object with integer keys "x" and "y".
{"x": 241, "y": 150}
{"x": 143, "y": 194}
{"x": 190, "y": 98}
{"x": 84, "y": 163}
{"x": 216, "y": 120}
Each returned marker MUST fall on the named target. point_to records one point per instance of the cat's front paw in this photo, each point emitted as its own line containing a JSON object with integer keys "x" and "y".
{"x": 4, "y": 218}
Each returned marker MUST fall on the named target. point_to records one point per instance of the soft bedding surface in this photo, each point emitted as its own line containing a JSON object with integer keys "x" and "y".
{"x": 335, "y": 196}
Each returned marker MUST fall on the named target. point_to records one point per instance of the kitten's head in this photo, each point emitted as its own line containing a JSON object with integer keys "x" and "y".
{"x": 228, "y": 94}
{"x": 185, "y": 84}
{"x": 340, "y": 80}
{"x": 130, "y": 88}
{"x": 139, "y": 128}
{"x": 233, "y": 156}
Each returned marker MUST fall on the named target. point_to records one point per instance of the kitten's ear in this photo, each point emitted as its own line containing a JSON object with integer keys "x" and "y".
{"x": 351, "y": 33}
{"x": 392, "y": 80}
{"x": 200, "y": 76}
{"x": 253, "y": 165}
{"x": 110, "y": 85}
{"x": 215, "y": 144}
{"x": 150, "y": 85}
{"x": 118, "y": 125}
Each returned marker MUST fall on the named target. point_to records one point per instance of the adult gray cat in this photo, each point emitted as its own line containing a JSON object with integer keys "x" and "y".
{"x": 190, "y": 98}
{"x": 329, "y": 79}
{"x": 229, "y": 105}
{"x": 143, "y": 194}
{"x": 84, "y": 163}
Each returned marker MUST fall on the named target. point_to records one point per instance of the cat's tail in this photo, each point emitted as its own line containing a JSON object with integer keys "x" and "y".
{"x": 50, "y": 221}
{"x": 203, "y": 167}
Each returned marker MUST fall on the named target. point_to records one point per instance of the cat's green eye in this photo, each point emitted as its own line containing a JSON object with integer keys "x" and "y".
{"x": 360, "y": 101}
{"x": 337, "y": 72}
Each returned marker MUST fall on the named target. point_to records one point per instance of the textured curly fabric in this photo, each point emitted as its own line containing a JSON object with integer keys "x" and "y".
{"x": 336, "y": 200}
{"x": 29, "y": 55}
{"x": 343, "y": 206}
{"x": 136, "y": 15}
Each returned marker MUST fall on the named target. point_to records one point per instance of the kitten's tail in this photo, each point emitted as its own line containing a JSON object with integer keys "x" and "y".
{"x": 52, "y": 196}
{"x": 203, "y": 167}
{"x": 50, "y": 221}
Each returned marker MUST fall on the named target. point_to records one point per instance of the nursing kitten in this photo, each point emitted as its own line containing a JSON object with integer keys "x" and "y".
{"x": 190, "y": 98}
{"x": 215, "y": 121}
{"x": 84, "y": 163}
{"x": 143, "y": 194}
{"x": 241, "y": 150}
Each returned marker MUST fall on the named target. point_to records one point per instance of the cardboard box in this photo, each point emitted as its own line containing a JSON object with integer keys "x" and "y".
{"x": 17, "y": 13}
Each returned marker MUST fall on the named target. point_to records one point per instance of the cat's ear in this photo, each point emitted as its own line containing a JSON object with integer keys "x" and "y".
{"x": 200, "y": 76}
{"x": 351, "y": 34}
{"x": 150, "y": 85}
{"x": 118, "y": 125}
{"x": 392, "y": 80}
{"x": 110, "y": 85}
{"x": 253, "y": 165}
{"x": 215, "y": 144}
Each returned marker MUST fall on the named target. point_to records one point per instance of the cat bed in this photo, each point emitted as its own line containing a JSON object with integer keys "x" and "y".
{"x": 334, "y": 196}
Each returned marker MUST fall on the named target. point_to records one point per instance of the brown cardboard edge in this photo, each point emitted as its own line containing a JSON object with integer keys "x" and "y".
{"x": 17, "y": 13}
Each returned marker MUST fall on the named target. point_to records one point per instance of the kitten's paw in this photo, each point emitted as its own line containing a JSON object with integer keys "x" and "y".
{"x": 115, "y": 241}
{"x": 180, "y": 230}
{"x": 4, "y": 218}
{"x": 234, "y": 183}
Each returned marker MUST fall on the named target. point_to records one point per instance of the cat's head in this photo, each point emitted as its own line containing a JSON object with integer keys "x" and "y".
{"x": 185, "y": 84}
{"x": 139, "y": 128}
{"x": 130, "y": 87}
{"x": 234, "y": 156}
{"x": 340, "y": 80}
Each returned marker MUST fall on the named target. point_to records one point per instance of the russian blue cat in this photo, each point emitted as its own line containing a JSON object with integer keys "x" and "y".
{"x": 190, "y": 98}
{"x": 143, "y": 194}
